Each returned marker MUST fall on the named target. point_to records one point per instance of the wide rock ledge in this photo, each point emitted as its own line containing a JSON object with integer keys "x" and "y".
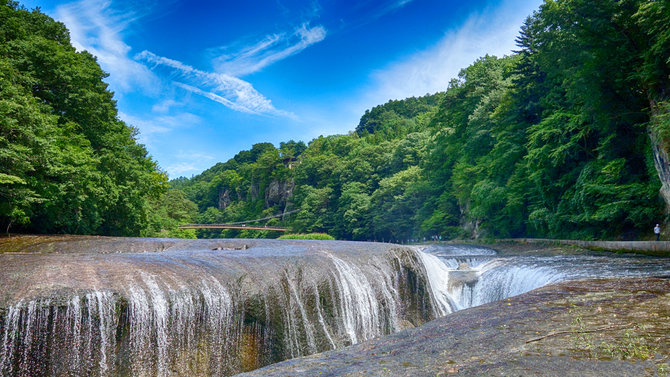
{"x": 616, "y": 327}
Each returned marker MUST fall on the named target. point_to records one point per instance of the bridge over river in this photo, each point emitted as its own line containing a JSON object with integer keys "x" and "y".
{"x": 243, "y": 224}
{"x": 226, "y": 226}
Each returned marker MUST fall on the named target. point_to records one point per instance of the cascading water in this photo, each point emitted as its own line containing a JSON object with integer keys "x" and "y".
{"x": 357, "y": 293}
{"x": 191, "y": 310}
{"x": 464, "y": 276}
{"x": 109, "y": 307}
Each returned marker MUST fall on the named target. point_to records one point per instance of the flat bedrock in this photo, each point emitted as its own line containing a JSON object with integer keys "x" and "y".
{"x": 608, "y": 327}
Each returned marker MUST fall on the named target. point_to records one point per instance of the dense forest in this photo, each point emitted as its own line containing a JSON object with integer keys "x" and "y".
{"x": 67, "y": 163}
{"x": 566, "y": 138}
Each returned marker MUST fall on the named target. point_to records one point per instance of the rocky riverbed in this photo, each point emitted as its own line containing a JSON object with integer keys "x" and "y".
{"x": 609, "y": 327}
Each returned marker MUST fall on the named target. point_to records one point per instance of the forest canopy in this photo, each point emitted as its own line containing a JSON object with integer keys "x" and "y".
{"x": 68, "y": 164}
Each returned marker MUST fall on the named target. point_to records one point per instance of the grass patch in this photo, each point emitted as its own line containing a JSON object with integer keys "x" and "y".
{"x": 308, "y": 236}
{"x": 631, "y": 346}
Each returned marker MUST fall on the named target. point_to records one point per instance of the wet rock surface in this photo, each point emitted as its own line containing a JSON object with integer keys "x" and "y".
{"x": 69, "y": 244}
{"x": 155, "y": 307}
{"x": 609, "y": 327}
{"x": 35, "y": 265}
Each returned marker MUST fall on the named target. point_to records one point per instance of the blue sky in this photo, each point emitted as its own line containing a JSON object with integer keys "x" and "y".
{"x": 203, "y": 80}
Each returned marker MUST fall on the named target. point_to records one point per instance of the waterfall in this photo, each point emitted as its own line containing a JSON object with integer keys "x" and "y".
{"x": 202, "y": 308}
{"x": 461, "y": 276}
{"x": 438, "y": 278}
{"x": 484, "y": 278}
{"x": 196, "y": 311}
{"x": 359, "y": 304}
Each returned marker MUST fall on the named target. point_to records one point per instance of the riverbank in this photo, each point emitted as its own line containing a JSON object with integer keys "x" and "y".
{"x": 613, "y": 327}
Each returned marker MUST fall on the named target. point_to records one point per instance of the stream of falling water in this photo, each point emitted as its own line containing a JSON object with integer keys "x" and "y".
{"x": 191, "y": 320}
{"x": 491, "y": 277}
{"x": 183, "y": 314}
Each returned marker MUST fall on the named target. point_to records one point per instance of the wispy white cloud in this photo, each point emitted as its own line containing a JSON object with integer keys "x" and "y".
{"x": 181, "y": 169}
{"x": 150, "y": 126}
{"x": 214, "y": 97}
{"x": 190, "y": 162}
{"x": 491, "y": 31}
{"x": 158, "y": 133}
{"x": 194, "y": 155}
{"x": 228, "y": 90}
{"x": 165, "y": 105}
{"x": 271, "y": 49}
{"x": 97, "y": 28}
{"x": 398, "y": 4}
{"x": 364, "y": 12}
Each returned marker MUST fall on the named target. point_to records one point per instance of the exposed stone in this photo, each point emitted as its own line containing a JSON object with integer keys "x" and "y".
{"x": 224, "y": 199}
{"x": 659, "y": 148}
{"x": 459, "y": 277}
{"x": 464, "y": 267}
{"x": 616, "y": 327}
{"x": 278, "y": 192}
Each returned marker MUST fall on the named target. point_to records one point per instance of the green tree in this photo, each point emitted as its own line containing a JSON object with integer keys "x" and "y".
{"x": 593, "y": 114}
{"x": 69, "y": 164}
{"x": 314, "y": 215}
{"x": 168, "y": 212}
{"x": 354, "y": 211}
{"x": 395, "y": 203}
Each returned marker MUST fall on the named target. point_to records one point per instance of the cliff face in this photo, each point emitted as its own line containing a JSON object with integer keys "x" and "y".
{"x": 279, "y": 192}
{"x": 660, "y": 124}
{"x": 224, "y": 199}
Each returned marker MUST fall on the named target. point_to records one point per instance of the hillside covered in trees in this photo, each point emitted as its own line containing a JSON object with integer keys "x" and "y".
{"x": 566, "y": 138}
{"x": 67, "y": 163}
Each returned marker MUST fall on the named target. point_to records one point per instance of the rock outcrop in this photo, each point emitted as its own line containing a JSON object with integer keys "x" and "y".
{"x": 582, "y": 328}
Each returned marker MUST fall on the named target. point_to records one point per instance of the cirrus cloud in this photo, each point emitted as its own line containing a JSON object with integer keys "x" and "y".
{"x": 491, "y": 31}
{"x": 225, "y": 89}
{"x": 97, "y": 28}
{"x": 269, "y": 50}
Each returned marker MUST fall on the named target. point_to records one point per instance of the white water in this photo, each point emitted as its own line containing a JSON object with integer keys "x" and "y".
{"x": 438, "y": 278}
{"x": 499, "y": 277}
{"x": 295, "y": 300}
{"x": 165, "y": 321}
{"x": 359, "y": 304}
{"x": 191, "y": 318}
{"x": 496, "y": 278}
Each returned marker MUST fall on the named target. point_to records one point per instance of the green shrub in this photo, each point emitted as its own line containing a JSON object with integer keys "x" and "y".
{"x": 308, "y": 236}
